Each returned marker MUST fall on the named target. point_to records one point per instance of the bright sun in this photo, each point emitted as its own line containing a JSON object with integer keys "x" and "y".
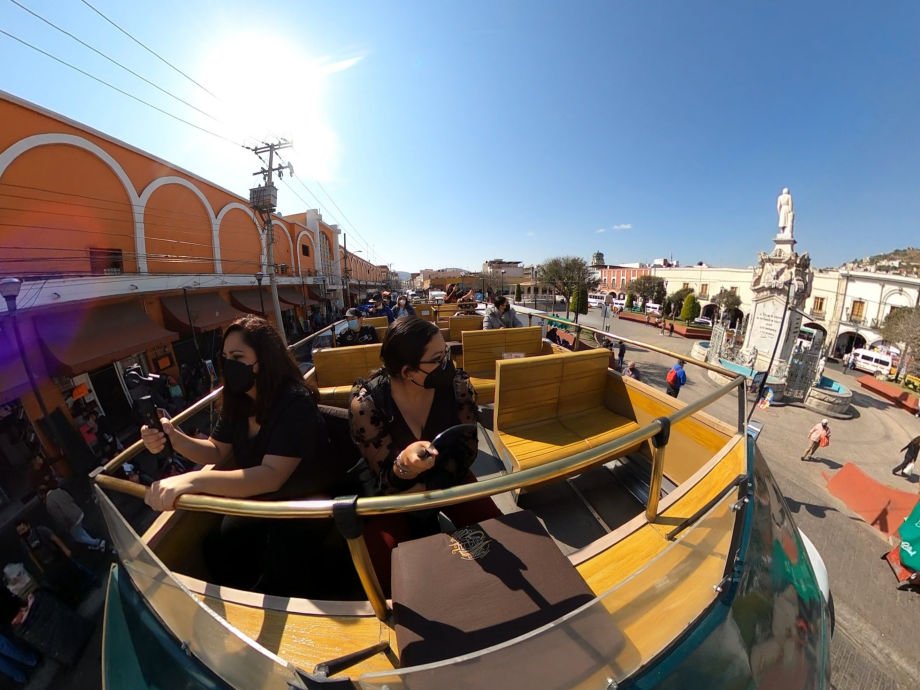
{"x": 283, "y": 95}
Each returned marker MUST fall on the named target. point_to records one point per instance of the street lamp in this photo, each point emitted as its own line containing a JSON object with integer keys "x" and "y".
{"x": 503, "y": 282}
{"x": 9, "y": 289}
{"x": 259, "y": 277}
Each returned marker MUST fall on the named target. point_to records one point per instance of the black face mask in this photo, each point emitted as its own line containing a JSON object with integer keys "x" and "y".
{"x": 441, "y": 376}
{"x": 238, "y": 376}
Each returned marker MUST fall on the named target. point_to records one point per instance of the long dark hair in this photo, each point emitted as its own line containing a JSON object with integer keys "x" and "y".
{"x": 278, "y": 371}
{"x": 405, "y": 343}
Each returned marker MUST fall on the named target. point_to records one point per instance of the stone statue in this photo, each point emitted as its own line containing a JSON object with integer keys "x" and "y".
{"x": 786, "y": 213}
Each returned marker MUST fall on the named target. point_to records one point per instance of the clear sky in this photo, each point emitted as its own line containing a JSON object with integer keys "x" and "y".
{"x": 448, "y": 133}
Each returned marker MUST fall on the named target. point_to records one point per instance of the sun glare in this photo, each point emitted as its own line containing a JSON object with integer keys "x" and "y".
{"x": 280, "y": 95}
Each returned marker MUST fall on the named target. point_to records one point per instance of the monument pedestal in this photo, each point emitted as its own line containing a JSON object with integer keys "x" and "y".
{"x": 781, "y": 284}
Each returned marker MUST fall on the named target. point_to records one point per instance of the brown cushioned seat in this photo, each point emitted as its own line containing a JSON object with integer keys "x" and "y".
{"x": 457, "y": 594}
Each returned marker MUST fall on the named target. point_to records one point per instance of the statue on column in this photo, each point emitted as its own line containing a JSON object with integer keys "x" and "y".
{"x": 786, "y": 213}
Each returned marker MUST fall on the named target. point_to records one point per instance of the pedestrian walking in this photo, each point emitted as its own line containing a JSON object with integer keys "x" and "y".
{"x": 670, "y": 328}
{"x": 676, "y": 378}
{"x": 67, "y": 515}
{"x": 53, "y": 562}
{"x": 819, "y": 436}
{"x": 906, "y": 466}
{"x": 632, "y": 371}
{"x": 621, "y": 354}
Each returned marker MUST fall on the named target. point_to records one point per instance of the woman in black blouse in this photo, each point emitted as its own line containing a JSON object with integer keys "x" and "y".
{"x": 269, "y": 442}
{"x": 394, "y": 416}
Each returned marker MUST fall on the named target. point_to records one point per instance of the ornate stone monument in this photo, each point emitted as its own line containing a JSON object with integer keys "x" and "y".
{"x": 782, "y": 280}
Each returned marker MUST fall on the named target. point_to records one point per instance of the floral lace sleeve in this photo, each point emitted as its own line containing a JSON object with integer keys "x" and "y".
{"x": 465, "y": 395}
{"x": 370, "y": 434}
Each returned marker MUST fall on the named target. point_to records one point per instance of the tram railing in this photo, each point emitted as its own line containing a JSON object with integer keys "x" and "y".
{"x": 347, "y": 510}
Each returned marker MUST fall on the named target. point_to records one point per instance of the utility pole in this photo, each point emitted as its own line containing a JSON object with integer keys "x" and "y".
{"x": 264, "y": 201}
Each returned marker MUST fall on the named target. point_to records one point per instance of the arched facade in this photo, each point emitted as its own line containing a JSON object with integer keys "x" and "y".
{"x": 61, "y": 196}
{"x": 178, "y": 227}
{"x": 240, "y": 240}
{"x": 847, "y": 341}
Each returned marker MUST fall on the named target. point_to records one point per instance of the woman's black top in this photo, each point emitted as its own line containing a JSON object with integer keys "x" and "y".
{"x": 381, "y": 433}
{"x": 295, "y": 429}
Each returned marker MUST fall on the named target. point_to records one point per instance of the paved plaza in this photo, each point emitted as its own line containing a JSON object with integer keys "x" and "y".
{"x": 875, "y": 641}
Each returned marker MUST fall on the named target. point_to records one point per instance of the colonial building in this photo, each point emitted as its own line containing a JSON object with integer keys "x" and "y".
{"x": 848, "y": 306}
{"x": 126, "y": 260}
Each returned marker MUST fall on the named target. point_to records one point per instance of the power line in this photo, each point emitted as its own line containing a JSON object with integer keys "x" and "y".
{"x": 148, "y": 208}
{"x": 112, "y": 60}
{"x": 121, "y": 91}
{"x": 148, "y": 49}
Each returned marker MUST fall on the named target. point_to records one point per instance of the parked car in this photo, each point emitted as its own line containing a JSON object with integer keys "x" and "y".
{"x": 702, "y": 321}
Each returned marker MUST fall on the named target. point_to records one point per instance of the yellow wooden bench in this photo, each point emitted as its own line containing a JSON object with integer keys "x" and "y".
{"x": 552, "y": 406}
{"x": 426, "y": 311}
{"x": 336, "y": 368}
{"x": 481, "y": 349}
{"x": 376, "y": 322}
{"x": 460, "y": 323}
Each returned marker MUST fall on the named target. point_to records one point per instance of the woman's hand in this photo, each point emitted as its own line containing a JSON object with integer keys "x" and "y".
{"x": 155, "y": 440}
{"x": 414, "y": 459}
{"x": 162, "y": 494}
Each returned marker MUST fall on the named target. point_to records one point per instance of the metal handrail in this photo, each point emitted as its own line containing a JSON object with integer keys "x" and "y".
{"x": 396, "y": 503}
{"x": 654, "y": 348}
{"x": 198, "y": 406}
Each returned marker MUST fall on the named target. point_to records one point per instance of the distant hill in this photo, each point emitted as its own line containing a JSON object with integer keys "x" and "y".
{"x": 901, "y": 261}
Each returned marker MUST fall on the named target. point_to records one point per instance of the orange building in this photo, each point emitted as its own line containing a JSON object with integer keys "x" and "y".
{"x": 127, "y": 260}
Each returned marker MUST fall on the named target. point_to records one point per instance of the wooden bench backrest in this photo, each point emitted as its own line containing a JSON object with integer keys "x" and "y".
{"x": 340, "y": 366}
{"x": 445, "y": 311}
{"x": 459, "y": 324}
{"x": 481, "y": 349}
{"x": 539, "y": 389}
{"x": 584, "y": 379}
{"x": 425, "y": 311}
{"x": 381, "y": 332}
{"x": 375, "y": 321}
{"x": 527, "y": 389}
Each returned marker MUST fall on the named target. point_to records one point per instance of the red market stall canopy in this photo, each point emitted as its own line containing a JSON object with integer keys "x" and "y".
{"x": 88, "y": 337}
{"x": 203, "y": 311}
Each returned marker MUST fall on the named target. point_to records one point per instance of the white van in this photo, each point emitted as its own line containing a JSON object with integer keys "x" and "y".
{"x": 597, "y": 299}
{"x": 878, "y": 363}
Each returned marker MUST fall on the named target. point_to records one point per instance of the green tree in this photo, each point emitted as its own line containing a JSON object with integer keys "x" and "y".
{"x": 902, "y": 326}
{"x": 727, "y": 300}
{"x": 646, "y": 287}
{"x": 518, "y": 293}
{"x": 579, "y": 301}
{"x": 676, "y": 300}
{"x": 630, "y": 301}
{"x": 691, "y": 308}
{"x": 566, "y": 274}
{"x": 660, "y": 294}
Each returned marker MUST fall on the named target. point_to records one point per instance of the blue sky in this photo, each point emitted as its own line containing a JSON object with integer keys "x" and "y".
{"x": 448, "y": 133}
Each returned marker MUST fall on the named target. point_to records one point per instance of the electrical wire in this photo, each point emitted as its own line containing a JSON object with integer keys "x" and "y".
{"x": 113, "y": 60}
{"x": 121, "y": 91}
{"x": 148, "y": 49}
{"x": 345, "y": 218}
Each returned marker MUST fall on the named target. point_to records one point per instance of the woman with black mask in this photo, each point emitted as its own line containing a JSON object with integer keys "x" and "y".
{"x": 270, "y": 442}
{"x": 394, "y": 416}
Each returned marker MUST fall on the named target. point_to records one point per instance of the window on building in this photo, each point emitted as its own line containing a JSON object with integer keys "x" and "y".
{"x": 106, "y": 262}
{"x": 686, "y": 285}
{"x": 857, "y": 309}
{"x": 622, "y": 281}
{"x": 305, "y": 249}
{"x": 817, "y": 305}
{"x": 733, "y": 289}
{"x": 704, "y": 290}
